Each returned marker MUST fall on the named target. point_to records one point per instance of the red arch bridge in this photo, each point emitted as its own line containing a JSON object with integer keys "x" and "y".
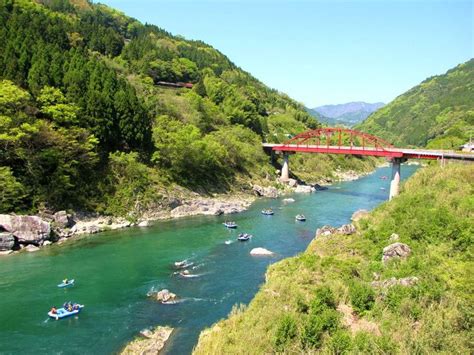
{"x": 333, "y": 140}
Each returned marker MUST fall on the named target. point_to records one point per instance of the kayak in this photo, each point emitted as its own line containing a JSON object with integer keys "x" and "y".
{"x": 63, "y": 313}
{"x": 69, "y": 283}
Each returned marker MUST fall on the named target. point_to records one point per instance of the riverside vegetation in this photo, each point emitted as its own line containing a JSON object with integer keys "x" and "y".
{"x": 339, "y": 297}
{"x": 84, "y": 125}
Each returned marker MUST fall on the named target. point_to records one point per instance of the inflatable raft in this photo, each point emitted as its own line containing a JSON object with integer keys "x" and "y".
{"x": 63, "y": 312}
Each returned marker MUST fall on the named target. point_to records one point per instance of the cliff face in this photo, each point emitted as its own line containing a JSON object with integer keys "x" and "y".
{"x": 399, "y": 283}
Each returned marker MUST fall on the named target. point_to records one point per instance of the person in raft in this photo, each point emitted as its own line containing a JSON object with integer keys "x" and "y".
{"x": 65, "y": 281}
{"x": 53, "y": 310}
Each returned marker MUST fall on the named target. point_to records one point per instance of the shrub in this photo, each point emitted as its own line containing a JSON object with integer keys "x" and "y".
{"x": 326, "y": 321}
{"x": 362, "y": 297}
{"x": 324, "y": 298}
{"x": 286, "y": 331}
{"x": 340, "y": 342}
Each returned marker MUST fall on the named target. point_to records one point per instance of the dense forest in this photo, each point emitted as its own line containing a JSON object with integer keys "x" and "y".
{"x": 85, "y": 125}
{"x": 340, "y": 297}
{"x": 438, "y": 113}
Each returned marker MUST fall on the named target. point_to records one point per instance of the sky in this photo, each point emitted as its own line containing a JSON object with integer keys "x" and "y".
{"x": 324, "y": 52}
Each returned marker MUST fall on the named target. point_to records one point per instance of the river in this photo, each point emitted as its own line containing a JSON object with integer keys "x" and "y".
{"x": 115, "y": 270}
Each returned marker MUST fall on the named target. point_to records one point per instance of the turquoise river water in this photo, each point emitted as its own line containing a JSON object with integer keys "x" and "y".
{"x": 115, "y": 270}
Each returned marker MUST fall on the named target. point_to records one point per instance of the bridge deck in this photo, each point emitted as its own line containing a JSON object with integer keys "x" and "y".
{"x": 371, "y": 151}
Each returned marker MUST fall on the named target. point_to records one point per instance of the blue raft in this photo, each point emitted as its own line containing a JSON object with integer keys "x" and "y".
{"x": 63, "y": 312}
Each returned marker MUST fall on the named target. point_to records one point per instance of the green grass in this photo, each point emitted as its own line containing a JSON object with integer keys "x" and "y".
{"x": 295, "y": 310}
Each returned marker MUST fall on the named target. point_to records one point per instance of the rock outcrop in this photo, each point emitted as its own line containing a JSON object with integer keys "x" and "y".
{"x": 328, "y": 230}
{"x": 150, "y": 342}
{"x": 269, "y": 191}
{"x": 346, "y": 229}
{"x": 209, "y": 207}
{"x": 358, "y": 215}
{"x": 63, "y": 220}
{"x": 325, "y": 231}
{"x": 26, "y": 229}
{"x": 260, "y": 251}
{"x": 395, "y": 250}
{"x": 163, "y": 296}
{"x": 7, "y": 241}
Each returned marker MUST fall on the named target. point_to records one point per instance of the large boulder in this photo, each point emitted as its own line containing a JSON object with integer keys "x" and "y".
{"x": 7, "y": 241}
{"x": 27, "y": 229}
{"x": 260, "y": 251}
{"x": 63, "y": 220}
{"x": 360, "y": 214}
{"x": 163, "y": 296}
{"x": 269, "y": 191}
{"x": 395, "y": 250}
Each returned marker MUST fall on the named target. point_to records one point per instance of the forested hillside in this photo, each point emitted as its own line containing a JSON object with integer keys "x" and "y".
{"x": 348, "y": 294}
{"x": 438, "y": 113}
{"x": 85, "y": 123}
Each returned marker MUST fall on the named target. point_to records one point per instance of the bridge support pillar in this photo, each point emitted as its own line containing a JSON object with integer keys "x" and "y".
{"x": 395, "y": 181}
{"x": 285, "y": 169}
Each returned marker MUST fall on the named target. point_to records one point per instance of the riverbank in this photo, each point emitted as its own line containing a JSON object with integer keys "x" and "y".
{"x": 399, "y": 283}
{"x": 30, "y": 233}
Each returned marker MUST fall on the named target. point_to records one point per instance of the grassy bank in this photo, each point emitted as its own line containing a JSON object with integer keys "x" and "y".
{"x": 324, "y": 301}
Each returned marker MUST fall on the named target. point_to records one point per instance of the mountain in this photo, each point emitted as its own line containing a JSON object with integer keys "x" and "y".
{"x": 438, "y": 113}
{"x": 101, "y": 112}
{"x": 347, "y": 114}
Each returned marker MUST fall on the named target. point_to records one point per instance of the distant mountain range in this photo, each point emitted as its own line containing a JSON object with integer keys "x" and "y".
{"x": 347, "y": 114}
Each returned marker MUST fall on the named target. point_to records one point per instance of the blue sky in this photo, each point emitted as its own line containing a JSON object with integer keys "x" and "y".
{"x": 324, "y": 52}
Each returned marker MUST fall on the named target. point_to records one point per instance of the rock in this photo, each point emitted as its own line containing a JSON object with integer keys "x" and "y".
{"x": 358, "y": 215}
{"x": 395, "y": 250}
{"x": 61, "y": 240}
{"x": 7, "y": 241}
{"x": 151, "y": 343}
{"x": 394, "y": 237}
{"x": 63, "y": 220}
{"x": 269, "y": 191}
{"x": 163, "y": 296}
{"x": 208, "y": 207}
{"x": 292, "y": 183}
{"x": 320, "y": 187}
{"x": 406, "y": 282}
{"x": 6, "y": 252}
{"x": 325, "y": 231}
{"x": 93, "y": 229}
{"x": 144, "y": 224}
{"x": 346, "y": 229}
{"x": 147, "y": 333}
{"x": 47, "y": 242}
{"x": 305, "y": 189}
{"x": 288, "y": 200}
{"x": 260, "y": 251}
{"x": 27, "y": 229}
{"x": 31, "y": 248}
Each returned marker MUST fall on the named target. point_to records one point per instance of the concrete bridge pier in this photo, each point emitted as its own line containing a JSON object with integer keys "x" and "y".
{"x": 395, "y": 180}
{"x": 285, "y": 169}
